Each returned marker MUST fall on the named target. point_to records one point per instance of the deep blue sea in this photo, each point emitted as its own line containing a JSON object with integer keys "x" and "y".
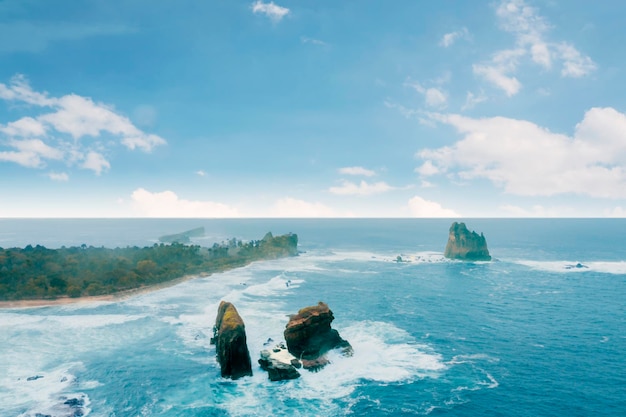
{"x": 524, "y": 335}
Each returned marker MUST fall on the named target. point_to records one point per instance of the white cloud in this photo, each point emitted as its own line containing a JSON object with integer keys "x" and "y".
{"x": 58, "y": 176}
{"x": 80, "y": 116}
{"x": 420, "y": 207}
{"x": 36, "y": 146}
{"x": 25, "y": 159}
{"x": 527, "y": 159}
{"x": 271, "y": 10}
{"x": 96, "y": 162}
{"x": 24, "y": 127}
{"x": 616, "y": 212}
{"x": 498, "y": 77}
{"x": 363, "y": 188}
{"x": 30, "y": 153}
{"x": 427, "y": 169}
{"x": 64, "y": 129}
{"x": 168, "y": 204}
{"x": 201, "y": 173}
{"x": 313, "y": 41}
{"x": 291, "y": 207}
{"x": 406, "y": 112}
{"x": 471, "y": 100}
{"x": 433, "y": 97}
{"x": 145, "y": 142}
{"x": 574, "y": 63}
{"x": 357, "y": 171}
{"x": 436, "y": 98}
{"x": 449, "y": 38}
{"x": 529, "y": 29}
{"x": 19, "y": 90}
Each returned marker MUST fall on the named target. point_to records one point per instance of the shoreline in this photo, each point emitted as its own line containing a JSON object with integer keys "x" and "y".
{"x": 115, "y": 297}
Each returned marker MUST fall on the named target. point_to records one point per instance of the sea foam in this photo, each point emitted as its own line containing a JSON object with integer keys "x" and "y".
{"x": 616, "y": 268}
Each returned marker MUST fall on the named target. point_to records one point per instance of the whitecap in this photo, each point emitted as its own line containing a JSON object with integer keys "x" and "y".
{"x": 43, "y": 392}
{"x": 275, "y": 286}
{"x": 616, "y": 267}
{"x": 472, "y": 358}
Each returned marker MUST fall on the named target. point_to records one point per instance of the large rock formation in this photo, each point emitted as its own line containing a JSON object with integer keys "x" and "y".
{"x": 279, "y": 363}
{"x": 279, "y": 246}
{"x": 466, "y": 245}
{"x": 309, "y": 336}
{"x": 230, "y": 342}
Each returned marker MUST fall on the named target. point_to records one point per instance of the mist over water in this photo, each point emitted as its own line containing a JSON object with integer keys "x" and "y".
{"x": 524, "y": 335}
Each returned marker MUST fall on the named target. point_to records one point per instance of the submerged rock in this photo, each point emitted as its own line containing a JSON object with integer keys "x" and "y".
{"x": 465, "y": 245}
{"x": 230, "y": 341}
{"x": 279, "y": 363}
{"x": 309, "y": 336}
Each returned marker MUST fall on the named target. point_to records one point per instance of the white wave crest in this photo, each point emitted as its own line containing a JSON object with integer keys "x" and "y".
{"x": 275, "y": 286}
{"x": 383, "y": 353}
{"x": 43, "y": 393}
{"x": 616, "y": 268}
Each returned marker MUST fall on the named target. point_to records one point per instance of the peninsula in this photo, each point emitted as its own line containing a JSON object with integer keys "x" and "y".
{"x": 39, "y": 273}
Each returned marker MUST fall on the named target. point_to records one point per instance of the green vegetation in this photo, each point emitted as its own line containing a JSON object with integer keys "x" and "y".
{"x": 41, "y": 273}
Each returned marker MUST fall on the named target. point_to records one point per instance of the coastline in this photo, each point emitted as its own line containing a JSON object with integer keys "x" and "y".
{"x": 114, "y": 297}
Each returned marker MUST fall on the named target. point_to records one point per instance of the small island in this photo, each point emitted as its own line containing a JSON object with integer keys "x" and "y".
{"x": 184, "y": 237}
{"x": 465, "y": 245}
{"x": 39, "y": 273}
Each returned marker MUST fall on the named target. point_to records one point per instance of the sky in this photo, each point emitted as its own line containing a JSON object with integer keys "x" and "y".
{"x": 312, "y": 108}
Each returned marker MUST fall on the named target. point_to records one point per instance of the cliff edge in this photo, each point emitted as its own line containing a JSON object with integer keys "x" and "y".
{"x": 465, "y": 245}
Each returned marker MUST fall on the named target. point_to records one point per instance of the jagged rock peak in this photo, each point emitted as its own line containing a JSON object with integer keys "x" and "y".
{"x": 465, "y": 245}
{"x": 230, "y": 342}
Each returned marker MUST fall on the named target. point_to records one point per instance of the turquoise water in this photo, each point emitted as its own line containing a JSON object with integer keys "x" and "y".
{"x": 524, "y": 335}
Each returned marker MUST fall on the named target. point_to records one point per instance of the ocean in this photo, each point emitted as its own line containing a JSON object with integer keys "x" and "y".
{"x": 527, "y": 334}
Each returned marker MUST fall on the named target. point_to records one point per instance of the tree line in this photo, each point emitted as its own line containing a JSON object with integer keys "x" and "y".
{"x": 36, "y": 272}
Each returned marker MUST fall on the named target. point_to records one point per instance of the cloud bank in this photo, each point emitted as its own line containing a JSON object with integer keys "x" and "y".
{"x": 167, "y": 204}
{"x": 526, "y": 159}
{"x": 70, "y": 129}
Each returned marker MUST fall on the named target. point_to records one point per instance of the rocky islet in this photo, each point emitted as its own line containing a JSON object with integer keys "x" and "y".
{"x": 308, "y": 336}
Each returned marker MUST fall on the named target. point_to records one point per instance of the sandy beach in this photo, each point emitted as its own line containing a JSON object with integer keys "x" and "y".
{"x": 118, "y": 296}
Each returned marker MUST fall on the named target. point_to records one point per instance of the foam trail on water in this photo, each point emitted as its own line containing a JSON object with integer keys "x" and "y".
{"x": 616, "y": 268}
{"x": 276, "y": 286}
{"x": 51, "y": 392}
{"x": 383, "y": 354}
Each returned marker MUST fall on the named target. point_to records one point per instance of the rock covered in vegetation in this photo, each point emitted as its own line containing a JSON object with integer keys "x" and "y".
{"x": 230, "y": 342}
{"x": 279, "y": 246}
{"x": 465, "y": 245}
{"x": 279, "y": 363}
{"x": 309, "y": 336}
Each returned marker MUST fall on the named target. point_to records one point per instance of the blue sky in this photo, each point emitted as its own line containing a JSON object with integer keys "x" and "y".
{"x": 320, "y": 108}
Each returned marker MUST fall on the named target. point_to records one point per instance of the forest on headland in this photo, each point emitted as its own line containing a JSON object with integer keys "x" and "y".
{"x": 36, "y": 272}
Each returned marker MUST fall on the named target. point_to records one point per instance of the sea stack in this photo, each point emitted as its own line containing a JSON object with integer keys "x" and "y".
{"x": 309, "y": 336}
{"x": 465, "y": 245}
{"x": 230, "y": 342}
